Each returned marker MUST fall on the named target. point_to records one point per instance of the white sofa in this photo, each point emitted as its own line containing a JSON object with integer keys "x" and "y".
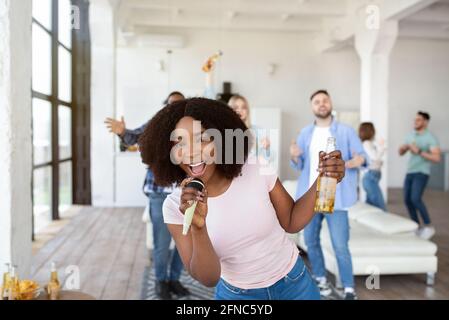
{"x": 380, "y": 243}
{"x": 149, "y": 227}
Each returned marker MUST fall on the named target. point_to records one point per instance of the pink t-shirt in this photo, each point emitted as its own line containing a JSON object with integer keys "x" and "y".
{"x": 254, "y": 250}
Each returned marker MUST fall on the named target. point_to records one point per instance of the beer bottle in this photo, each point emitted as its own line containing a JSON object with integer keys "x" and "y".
{"x": 326, "y": 186}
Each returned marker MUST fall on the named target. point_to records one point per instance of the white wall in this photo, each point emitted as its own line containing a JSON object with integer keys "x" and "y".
{"x": 141, "y": 88}
{"x": 419, "y": 80}
{"x": 419, "y": 77}
{"x": 15, "y": 135}
{"x": 102, "y": 102}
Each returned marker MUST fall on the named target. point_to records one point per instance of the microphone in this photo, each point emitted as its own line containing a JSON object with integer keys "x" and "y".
{"x": 188, "y": 216}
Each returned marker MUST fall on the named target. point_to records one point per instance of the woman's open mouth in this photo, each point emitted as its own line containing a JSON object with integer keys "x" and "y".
{"x": 197, "y": 170}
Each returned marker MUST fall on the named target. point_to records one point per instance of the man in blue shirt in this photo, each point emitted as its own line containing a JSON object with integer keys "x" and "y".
{"x": 167, "y": 274}
{"x": 305, "y": 158}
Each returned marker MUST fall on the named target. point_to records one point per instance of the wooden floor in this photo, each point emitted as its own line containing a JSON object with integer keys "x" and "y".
{"x": 108, "y": 246}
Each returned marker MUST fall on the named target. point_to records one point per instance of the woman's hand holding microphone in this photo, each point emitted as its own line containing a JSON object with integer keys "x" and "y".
{"x": 191, "y": 195}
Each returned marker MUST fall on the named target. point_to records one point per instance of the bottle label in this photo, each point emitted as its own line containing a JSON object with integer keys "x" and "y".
{"x": 325, "y": 198}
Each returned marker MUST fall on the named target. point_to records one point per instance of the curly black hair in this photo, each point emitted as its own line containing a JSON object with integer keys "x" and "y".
{"x": 155, "y": 145}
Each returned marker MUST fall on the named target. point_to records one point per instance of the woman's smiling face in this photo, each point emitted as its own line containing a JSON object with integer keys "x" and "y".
{"x": 192, "y": 150}
{"x": 241, "y": 108}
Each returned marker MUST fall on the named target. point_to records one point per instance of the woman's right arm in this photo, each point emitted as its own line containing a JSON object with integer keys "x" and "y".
{"x": 195, "y": 249}
{"x": 131, "y": 137}
{"x": 197, "y": 254}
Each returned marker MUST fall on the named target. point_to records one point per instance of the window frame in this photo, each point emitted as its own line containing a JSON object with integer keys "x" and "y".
{"x": 55, "y": 102}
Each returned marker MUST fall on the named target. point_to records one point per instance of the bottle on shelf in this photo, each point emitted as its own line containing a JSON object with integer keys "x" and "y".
{"x": 6, "y": 285}
{"x": 53, "y": 287}
{"x": 326, "y": 186}
{"x": 14, "y": 289}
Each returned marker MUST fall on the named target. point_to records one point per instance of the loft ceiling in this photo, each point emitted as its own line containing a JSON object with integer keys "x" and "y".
{"x": 249, "y": 15}
{"x": 430, "y": 20}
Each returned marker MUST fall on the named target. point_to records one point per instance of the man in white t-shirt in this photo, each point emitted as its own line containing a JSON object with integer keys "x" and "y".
{"x": 304, "y": 157}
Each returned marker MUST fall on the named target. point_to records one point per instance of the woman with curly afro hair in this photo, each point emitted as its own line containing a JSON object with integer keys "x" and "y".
{"x": 238, "y": 239}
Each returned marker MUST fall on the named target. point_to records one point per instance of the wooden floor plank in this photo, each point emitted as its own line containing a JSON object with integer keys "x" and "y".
{"x": 77, "y": 241}
{"x": 120, "y": 273}
{"x": 140, "y": 261}
{"x": 45, "y": 253}
{"x": 98, "y": 260}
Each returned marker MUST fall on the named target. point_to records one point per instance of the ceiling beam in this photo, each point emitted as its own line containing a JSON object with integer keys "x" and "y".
{"x": 268, "y": 7}
{"x": 337, "y": 31}
{"x": 432, "y": 14}
{"x": 400, "y": 9}
{"x": 226, "y": 23}
{"x": 423, "y": 31}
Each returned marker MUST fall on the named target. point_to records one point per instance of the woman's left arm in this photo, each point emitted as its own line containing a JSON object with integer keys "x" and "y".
{"x": 294, "y": 216}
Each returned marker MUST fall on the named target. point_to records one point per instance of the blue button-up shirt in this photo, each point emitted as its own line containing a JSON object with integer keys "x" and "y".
{"x": 348, "y": 143}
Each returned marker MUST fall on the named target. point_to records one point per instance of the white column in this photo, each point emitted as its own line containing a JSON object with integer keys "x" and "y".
{"x": 103, "y": 93}
{"x": 374, "y": 46}
{"x": 15, "y": 135}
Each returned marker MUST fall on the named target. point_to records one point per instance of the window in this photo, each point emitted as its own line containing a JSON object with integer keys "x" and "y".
{"x": 65, "y": 23}
{"x": 42, "y": 12}
{"x": 65, "y": 132}
{"x": 52, "y": 110}
{"x": 42, "y": 197}
{"x": 65, "y": 185}
{"x": 42, "y": 60}
{"x": 65, "y": 74}
{"x": 42, "y": 131}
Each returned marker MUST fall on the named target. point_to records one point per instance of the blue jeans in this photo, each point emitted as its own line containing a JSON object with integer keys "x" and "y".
{"x": 338, "y": 225}
{"x": 374, "y": 195}
{"x": 414, "y": 186}
{"x": 296, "y": 285}
{"x": 161, "y": 243}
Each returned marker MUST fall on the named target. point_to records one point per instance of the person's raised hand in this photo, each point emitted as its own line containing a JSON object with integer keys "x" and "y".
{"x": 403, "y": 149}
{"x": 265, "y": 142}
{"x": 295, "y": 150}
{"x": 356, "y": 161}
{"x": 116, "y": 126}
{"x": 414, "y": 148}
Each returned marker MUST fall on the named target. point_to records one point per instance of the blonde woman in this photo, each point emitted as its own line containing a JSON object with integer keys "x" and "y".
{"x": 262, "y": 150}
